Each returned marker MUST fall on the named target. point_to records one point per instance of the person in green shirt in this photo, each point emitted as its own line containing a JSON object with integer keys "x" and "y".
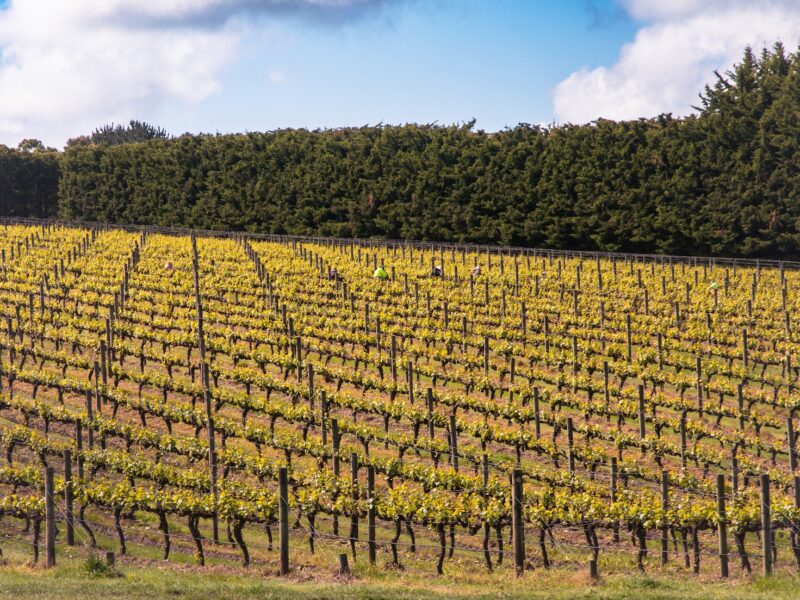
{"x": 380, "y": 273}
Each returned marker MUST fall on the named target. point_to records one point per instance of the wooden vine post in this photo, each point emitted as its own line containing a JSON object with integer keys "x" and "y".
{"x": 613, "y": 497}
{"x": 201, "y": 346}
{"x": 453, "y": 443}
{"x": 766, "y": 526}
{"x": 354, "y": 515}
{"x": 50, "y": 517}
{"x": 664, "y": 509}
{"x": 283, "y": 519}
{"x": 722, "y": 527}
{"x": 517, "y": 522}
{"x": 371, "y": 543}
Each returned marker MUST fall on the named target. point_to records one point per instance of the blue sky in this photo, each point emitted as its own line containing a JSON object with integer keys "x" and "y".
{"x": 496, "y": 62}
{"x": 254, "y": 65}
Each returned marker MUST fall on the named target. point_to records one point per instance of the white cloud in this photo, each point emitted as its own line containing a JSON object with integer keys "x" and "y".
{"x": 673, "y": 55}
{"x": 68, "y": 66}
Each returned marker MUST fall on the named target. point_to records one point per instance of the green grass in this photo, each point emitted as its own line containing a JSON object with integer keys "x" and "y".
{"x": 145, "y": 578}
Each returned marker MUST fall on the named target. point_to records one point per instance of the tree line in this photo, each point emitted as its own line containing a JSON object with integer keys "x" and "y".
{"x": 723, "y": 181}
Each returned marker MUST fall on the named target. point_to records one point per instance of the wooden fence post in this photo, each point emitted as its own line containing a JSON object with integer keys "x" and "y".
{"x": 766, "y": 526}
{"x": 615, "y": 526}
{"x": 50, "y": 518}
{"x": 212, "y": 452}
{"x": 371, "y": 544}
{"x": 336, "y": 467}
{"x": 283, "y": 517}
{"x": 722, "y": 528}
{"x": 664, "y": 508}
{"x": 354, "y": 516}
{"x": 453, "y": 443}
{"x": 517, "y": 523}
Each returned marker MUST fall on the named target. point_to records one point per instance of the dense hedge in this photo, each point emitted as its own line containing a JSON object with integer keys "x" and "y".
{"x": 28, "y": 183}
{"x": 723, "y": 181}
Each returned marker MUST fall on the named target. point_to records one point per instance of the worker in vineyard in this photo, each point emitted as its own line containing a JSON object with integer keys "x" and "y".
{"x": 714, "y": 285}
{"x": 436, "y": 271}
{"x": 168, "y": 266}
{"x": 476, "y": 271}
{"x": 380, "y": 273}
{"x": 333, "y": 274}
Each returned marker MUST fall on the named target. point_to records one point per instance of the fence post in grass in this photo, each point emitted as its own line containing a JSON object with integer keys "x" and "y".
{"x": 570, "y": 452}
{"x": 664, "y": 509}
{"x": 791, "y": 440}
{"x": 68, "y": 497}
{"x": 354, "y": 516}
{"x": 524, "y": 316}
{"x": 50, "y": 518}
{"x": 453, "y": 443}
{"x": 371, "y": 544}
{"x": 283, "y": 518}
{"x": 766, "y": 526}
{"x": 642, "y": 425}
{"x": 518, "y": 525}
{"x": 344, "y": 567}
{"x": 537, "y": 421}
{"x": 615, "y": 526}
{"x": 593, "y": 569}
{"x": 722, "y": 528}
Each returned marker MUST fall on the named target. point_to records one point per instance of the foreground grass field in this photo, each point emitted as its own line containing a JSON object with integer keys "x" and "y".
{"x": 71, "y": 582}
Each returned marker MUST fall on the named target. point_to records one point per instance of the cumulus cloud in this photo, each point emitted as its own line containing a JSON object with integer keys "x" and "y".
{"x": 674, "y": 53}
{"x": 67, "y": 66}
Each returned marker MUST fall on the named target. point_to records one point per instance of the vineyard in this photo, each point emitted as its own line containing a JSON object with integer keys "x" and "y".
{"x": 266, "y": 401}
